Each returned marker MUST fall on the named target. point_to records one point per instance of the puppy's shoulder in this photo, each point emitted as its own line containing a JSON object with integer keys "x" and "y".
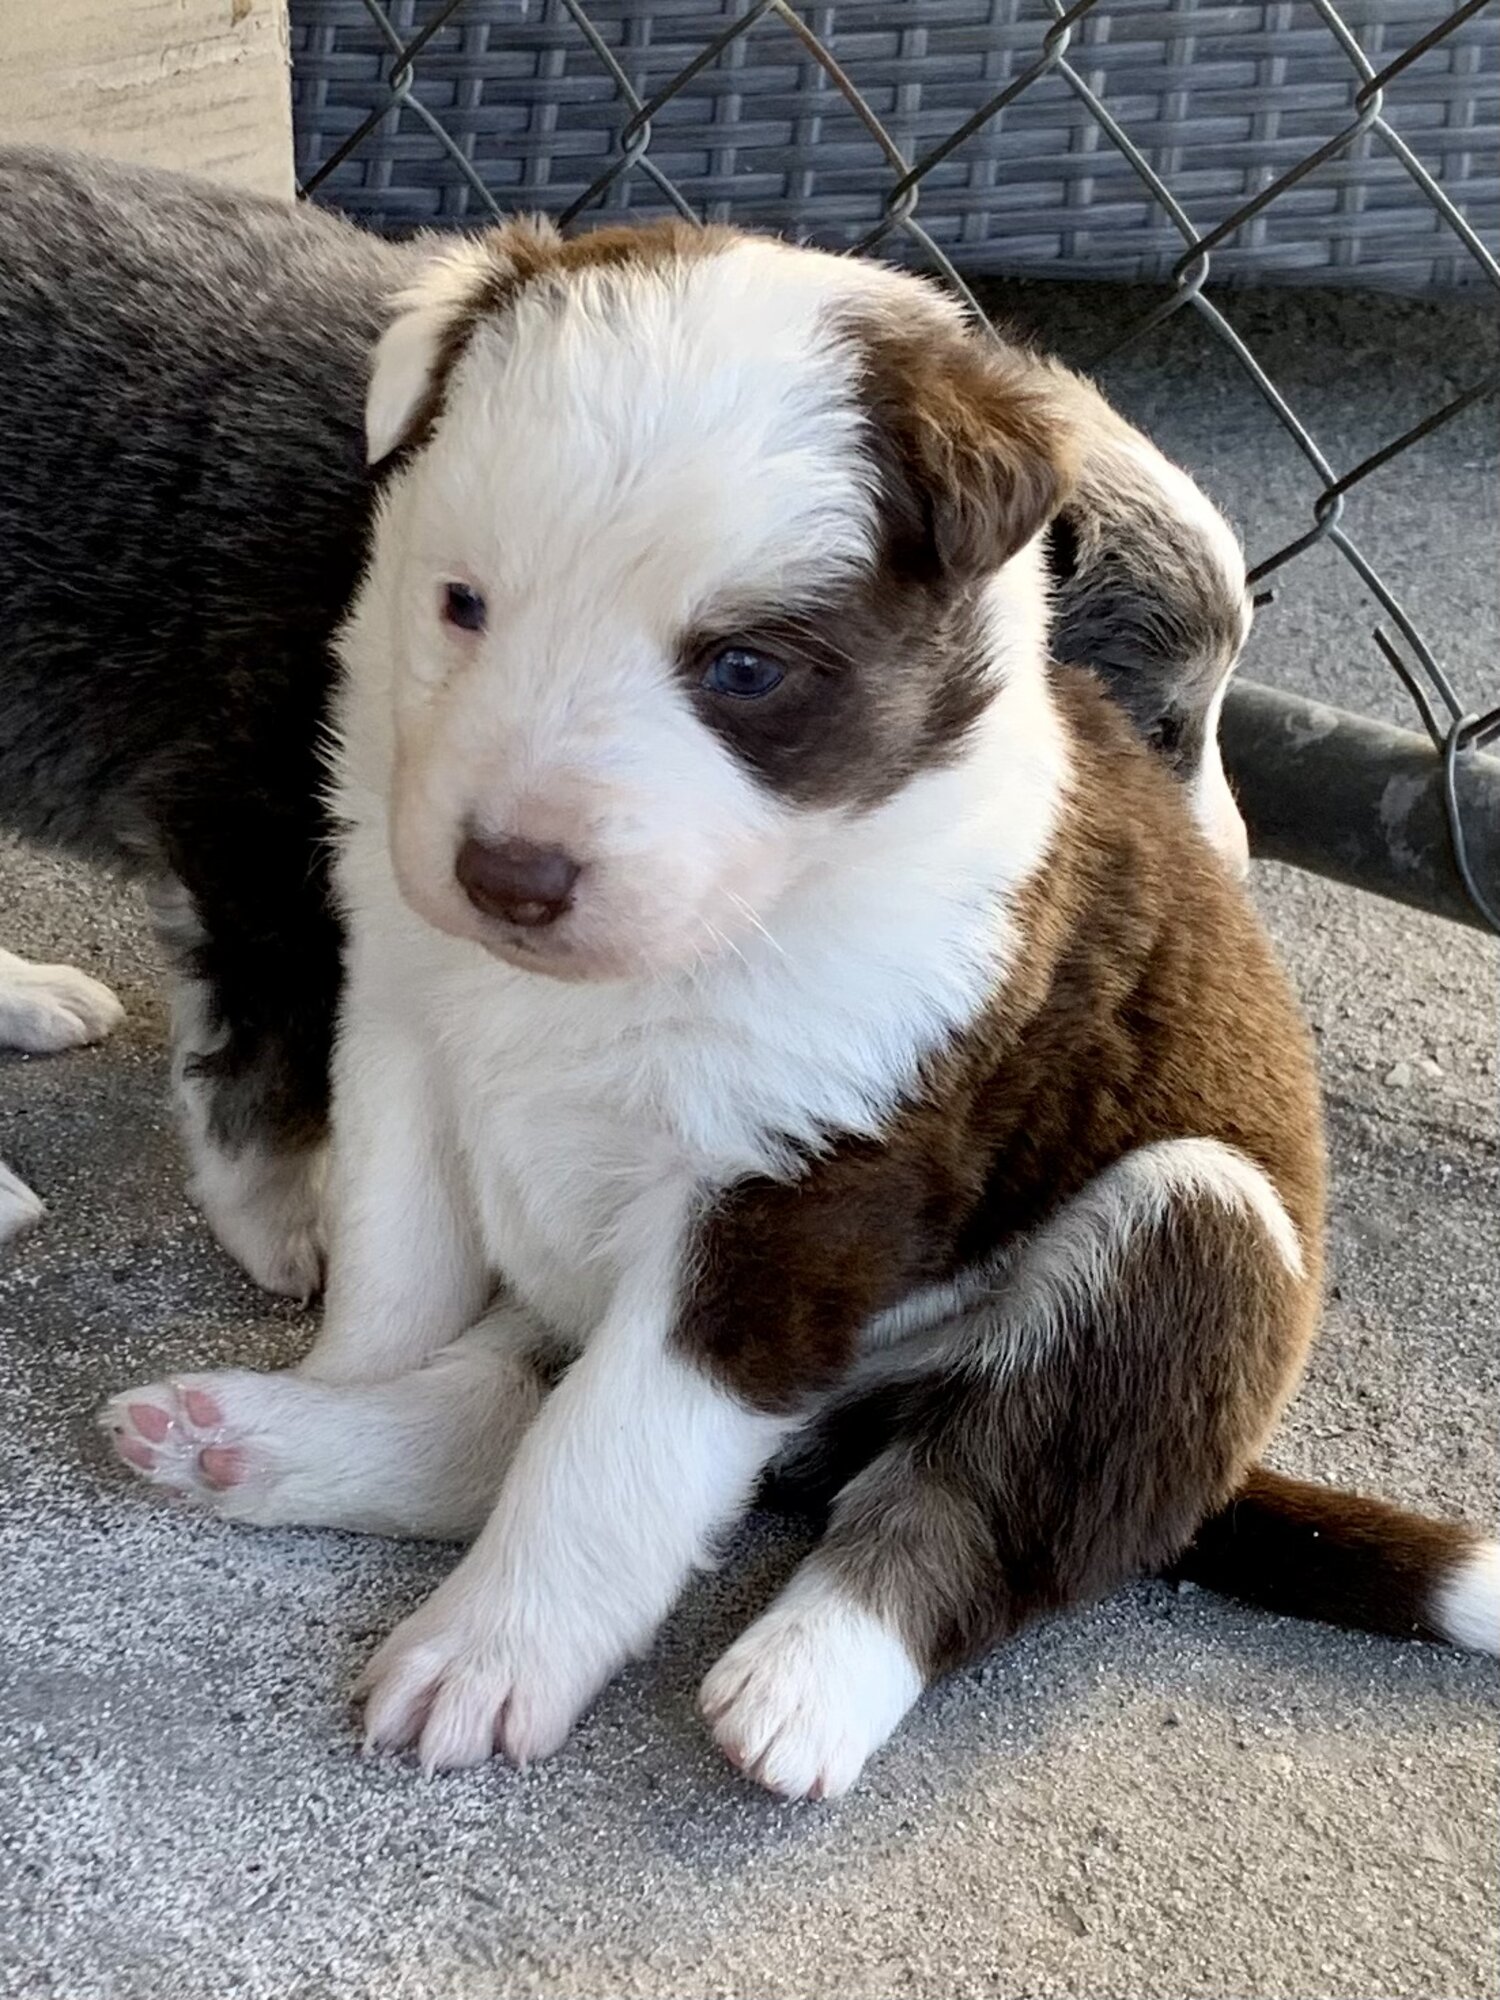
{"x": 1143, "y": 1000}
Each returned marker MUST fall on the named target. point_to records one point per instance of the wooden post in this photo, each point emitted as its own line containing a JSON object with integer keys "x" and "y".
{"x": 198, "y": 84}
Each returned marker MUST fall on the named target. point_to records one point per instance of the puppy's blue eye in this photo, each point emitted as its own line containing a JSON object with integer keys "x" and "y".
{"x": 464, "y": 608}
{"x": 744, "y": 675}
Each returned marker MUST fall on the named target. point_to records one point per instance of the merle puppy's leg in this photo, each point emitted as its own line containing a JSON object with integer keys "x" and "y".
{"x": 407, "y": 1277}
{"x": 1071, "y": 1432}
{"x": 254, "y": 988}
{"x": 43, "y": 1009}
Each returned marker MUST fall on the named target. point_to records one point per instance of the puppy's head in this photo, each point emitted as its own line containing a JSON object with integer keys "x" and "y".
{"x": 694, "y": 546}
{"x": 1149, "y": 591}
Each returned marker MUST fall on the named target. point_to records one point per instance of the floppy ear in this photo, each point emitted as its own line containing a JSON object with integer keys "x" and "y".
{"x": 415, "y": 355}
{"x": 976, "y": 454}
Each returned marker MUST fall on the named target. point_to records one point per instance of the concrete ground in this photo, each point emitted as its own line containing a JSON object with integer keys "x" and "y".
{"x": 1165, "y": 1796}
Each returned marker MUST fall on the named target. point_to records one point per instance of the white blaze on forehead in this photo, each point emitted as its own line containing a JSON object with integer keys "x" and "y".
{"x": 657, "y": 433}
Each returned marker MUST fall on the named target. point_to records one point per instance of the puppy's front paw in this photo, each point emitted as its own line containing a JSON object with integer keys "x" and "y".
{"x": 45, "y": 1008}
{"x": 802, "y": 1699}
{"x": 461, "y": 1679}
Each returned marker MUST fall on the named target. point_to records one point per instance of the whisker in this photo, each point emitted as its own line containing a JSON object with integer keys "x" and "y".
{"x": 751, "y": 918}
{"x": 728, "y": 943}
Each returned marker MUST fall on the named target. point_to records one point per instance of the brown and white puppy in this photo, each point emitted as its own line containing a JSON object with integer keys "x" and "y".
{"x": 779, "y": 992}
{"x": 161, "y": 709}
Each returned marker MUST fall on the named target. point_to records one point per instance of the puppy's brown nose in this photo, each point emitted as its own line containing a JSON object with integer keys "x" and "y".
{"x": 516, "y": 880}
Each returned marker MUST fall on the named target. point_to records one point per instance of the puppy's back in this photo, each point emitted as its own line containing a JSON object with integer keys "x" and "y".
{"x": 182, "y": 495}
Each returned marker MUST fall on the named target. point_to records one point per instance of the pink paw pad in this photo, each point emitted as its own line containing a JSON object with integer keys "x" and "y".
{"x": 221, "y": 1465}
{"x": 141, "y": 1456}
{"x": 150, "y": 1422}
{"x": 202, "y": 1411}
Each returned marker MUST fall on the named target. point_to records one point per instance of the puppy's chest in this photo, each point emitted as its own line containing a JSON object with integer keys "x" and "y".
{"x": 569, "y": 1133}
{"x": 578, "y": 1109}
{"x": 556, "y": 1179}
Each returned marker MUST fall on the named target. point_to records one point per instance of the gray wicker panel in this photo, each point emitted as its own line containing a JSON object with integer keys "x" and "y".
{"x": 1221, "y": 98}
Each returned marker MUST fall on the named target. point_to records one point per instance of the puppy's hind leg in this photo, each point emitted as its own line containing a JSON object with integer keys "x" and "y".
{"x": 1073, "y": 1431}
{"x": 421, "y": 1455}
{"x": 252, "y": 1027}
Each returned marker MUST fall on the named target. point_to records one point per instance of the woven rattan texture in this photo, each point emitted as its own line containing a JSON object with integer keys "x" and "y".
{"x": 1222, "y": 100}
{"x": 1109, "y": 138}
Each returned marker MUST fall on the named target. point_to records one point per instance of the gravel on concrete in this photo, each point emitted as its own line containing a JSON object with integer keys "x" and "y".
{"x": 1163, "y": 1797}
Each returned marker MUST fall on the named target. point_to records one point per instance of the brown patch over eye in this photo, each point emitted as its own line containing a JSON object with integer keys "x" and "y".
{"x": 876, "y": 684}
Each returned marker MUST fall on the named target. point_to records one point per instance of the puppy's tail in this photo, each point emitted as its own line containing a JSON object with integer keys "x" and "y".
{"x": 1313, "y": 1552}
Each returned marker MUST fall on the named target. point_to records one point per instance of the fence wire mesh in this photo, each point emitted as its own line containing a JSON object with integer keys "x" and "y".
{"x": 435, "y": 73}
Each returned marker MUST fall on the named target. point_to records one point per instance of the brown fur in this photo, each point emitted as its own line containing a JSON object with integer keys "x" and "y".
{"x": 999, "y": 1488}
{"x": 1121, "y": 1024}
{"x": 971, "y": 457}
{"x": 1304, "y": 1551}
{"x": 1066, "y": 1474}
{"x": 882, "y": 682}
{"x": 973, "y": 448}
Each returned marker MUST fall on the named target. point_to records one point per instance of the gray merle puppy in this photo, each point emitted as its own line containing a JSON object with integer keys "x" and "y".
{"x": 183, "y": 508}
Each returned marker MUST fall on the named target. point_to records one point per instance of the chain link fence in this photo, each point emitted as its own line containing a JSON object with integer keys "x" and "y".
{"x": 1175, "y": 141}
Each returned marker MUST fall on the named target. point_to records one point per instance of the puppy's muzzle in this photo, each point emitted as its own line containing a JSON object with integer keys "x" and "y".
{"x": 517, "y": 881}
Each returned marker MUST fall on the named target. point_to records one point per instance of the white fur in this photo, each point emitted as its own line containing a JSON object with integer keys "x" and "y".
{"x": 1213, "y": 804}
{"x": 423, "y": 1455}
{"x": 407, "y": 1272}
{"x": 1466, "y": 1604}
{"x": 43, "y": 1010}
{"x": 636, "y": 1461}
{"x": 47, "y": 1008}
{"x": 403, "y": 355}
{"x": 20, "y": 1209}
{"x": 264, "y": 1207}
{"x": 803, "y": 1698}
{"x": 627, "y": 457}
{"x": 1078, "y": 1254}
{"x": 1046, "y": 1284}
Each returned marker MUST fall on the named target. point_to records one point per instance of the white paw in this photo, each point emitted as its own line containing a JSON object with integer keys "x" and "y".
{"x": 266, "y": 1210}
{"x": 20, "y": 1209}
{"x": 290, "y": 1264}
{"x": 464, "y": 1677}
{"x": 44, "y": 1008}
{"x": 809, "y": 1692}
{"x": 209, "y": 1438}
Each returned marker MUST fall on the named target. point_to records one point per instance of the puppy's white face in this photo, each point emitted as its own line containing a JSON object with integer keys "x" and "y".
{"x": 634, "y": 585}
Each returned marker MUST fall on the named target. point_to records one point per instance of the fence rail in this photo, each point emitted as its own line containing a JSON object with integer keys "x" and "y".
{"x": 469, "y": 111}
